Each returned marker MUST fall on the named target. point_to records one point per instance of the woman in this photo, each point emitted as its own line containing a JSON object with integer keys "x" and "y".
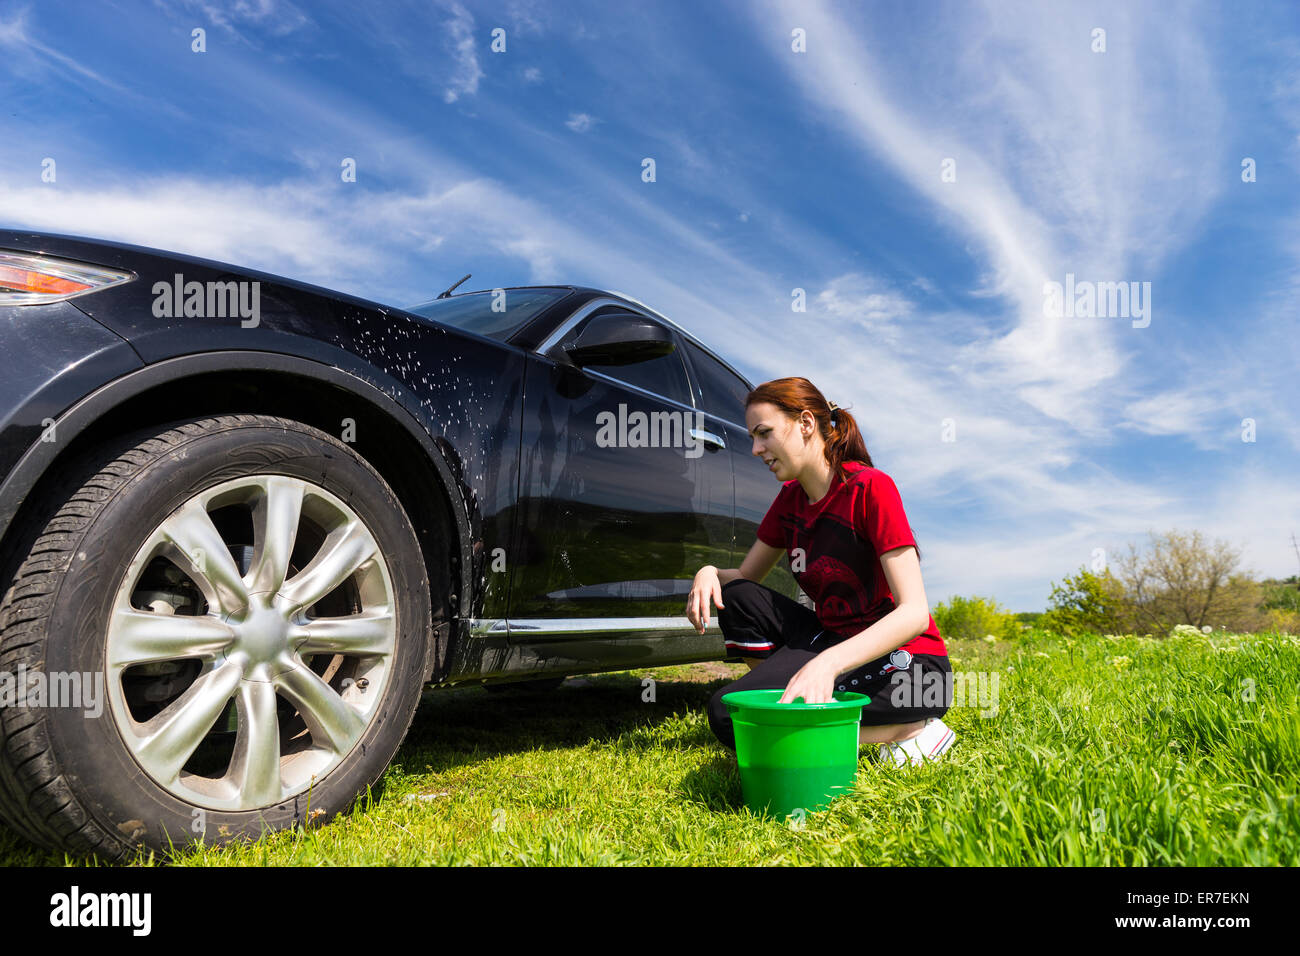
{"x": 841, "y": 523}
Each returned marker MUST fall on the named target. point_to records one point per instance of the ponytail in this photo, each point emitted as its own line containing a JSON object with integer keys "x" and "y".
{"x": 837, "y": 427}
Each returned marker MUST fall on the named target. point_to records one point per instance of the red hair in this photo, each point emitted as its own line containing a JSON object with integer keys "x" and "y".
{"x": 794, "y": 396}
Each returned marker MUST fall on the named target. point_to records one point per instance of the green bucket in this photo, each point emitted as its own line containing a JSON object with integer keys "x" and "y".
{"x": 794, "y": 755}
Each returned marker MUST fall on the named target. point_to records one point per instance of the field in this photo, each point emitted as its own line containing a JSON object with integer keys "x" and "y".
{"x": 1111, "y": 751}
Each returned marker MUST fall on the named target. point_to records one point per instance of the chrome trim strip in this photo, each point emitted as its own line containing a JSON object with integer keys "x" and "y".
{"x": 690, "y": 368}
{"x": 660, "y": 315}
{"x": 581, "y": 313}
{"x": 591, "y": 306}
{"x": 544, "y": 626}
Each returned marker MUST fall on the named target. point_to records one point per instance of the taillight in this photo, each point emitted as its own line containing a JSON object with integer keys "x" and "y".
{"x": 27, "y": 279}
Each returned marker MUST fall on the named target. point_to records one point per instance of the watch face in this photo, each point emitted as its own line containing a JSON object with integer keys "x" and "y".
{"x": 901, "y": 659}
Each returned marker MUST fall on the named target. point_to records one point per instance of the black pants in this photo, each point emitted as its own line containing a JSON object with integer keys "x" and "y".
{"x": 758, "y": 623}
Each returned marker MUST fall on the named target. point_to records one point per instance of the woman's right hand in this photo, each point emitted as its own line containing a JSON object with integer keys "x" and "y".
{"x": 707, "y": 585}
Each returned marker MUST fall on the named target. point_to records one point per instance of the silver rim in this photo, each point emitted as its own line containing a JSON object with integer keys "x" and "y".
{"x": 250, "y": 642}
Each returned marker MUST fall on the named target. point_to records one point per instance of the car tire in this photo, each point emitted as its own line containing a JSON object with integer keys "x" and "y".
{"x": 244, "y": 573}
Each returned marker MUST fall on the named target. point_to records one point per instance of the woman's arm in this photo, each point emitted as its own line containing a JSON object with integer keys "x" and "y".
{"x": 757, "y": 565}
{"x": 815, "y": 681}
{"x": 910, "y": 616}
{"x": 760, "y": 560}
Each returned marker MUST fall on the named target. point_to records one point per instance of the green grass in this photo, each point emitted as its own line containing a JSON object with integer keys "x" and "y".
{"x": 1125, "y": 751}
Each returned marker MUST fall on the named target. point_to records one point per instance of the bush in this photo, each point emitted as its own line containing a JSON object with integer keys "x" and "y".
{"x": 1281, "y": 595}
{"x": 974, "y": 618}
{"x": 1281, "y": 621}
{"x": 1084, "y": 602}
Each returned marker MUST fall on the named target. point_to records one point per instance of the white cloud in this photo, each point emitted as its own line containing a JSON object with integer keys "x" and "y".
{"x": 360, "y": 241}
{"x": 691, "y": 156}
{"x": 532, "y": 75}
{"x": 580, "y": 122}
{"x": 1020, "y": 110}
{"x": 467, "y": 73}
{"x": 274, "y": 17}
{"x": 864, "y": 299}
{"x": 527, "y": 17}
{"x": 18, "y": 43}
{"x": 1188, "y": 412}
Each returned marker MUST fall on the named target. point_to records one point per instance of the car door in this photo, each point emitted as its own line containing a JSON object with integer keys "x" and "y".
{"x": 612, "y": 522}
{"x": 721, "y": 393}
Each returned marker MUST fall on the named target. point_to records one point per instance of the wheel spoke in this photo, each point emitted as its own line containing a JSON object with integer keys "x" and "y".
{"x": 275, "y": 528}
{"x": 344, "y": 551}
{"x": 369, "y": 634}
{"x": 138, "y": 637}
{"x": 192, "y": 531}
{"x": 255, "y": 642}
{"x": 173, "y": 735}
{"x": 255, "y": 766}
{"x": 331, "y": 721}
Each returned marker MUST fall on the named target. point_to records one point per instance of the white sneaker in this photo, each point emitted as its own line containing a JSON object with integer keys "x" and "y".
{"x": 930, "y": 744}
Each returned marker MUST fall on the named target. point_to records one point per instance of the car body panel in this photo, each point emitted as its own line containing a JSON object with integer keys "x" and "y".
{"x": 463, "y": 390}
{"x": 510, "y": 431}
{"x": 54, "y": 355}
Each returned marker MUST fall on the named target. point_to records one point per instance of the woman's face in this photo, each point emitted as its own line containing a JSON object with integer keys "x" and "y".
{"x": 777, "y": 439}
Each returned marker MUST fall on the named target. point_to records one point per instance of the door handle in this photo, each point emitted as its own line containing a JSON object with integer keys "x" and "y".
{"x": 699, "y": 434}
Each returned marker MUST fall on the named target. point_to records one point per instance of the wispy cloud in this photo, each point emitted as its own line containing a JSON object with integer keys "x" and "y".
{"x": 866, "y": 301}
{"x": 527, "y": 17}
{"x": 461, "y": 40}
{"x": 1010, "y": 114}
{"x": 17, "y": 41}
{"x": 580, "y": 122}
{"x": 239, "y": 18}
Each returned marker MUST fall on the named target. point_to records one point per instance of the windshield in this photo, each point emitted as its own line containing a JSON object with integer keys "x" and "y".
{"x": 473, "y": 311}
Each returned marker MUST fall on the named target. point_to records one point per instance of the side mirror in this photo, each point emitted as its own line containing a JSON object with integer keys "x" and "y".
{"x": 620, "y": 338}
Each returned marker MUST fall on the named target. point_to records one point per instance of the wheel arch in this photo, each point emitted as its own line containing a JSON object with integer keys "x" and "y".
{"x": 387, "y": 435}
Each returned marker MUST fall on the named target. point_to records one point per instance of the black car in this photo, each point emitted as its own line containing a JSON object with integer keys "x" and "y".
{"x": 244, "y": 521}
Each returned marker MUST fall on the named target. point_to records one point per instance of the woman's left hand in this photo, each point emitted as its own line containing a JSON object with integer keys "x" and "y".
{"x": 814, "y": 682}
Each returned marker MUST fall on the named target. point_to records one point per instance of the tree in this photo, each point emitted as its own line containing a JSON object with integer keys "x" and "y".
{"x": 1184, "y": 580}
{"x": 1084, "y": 602}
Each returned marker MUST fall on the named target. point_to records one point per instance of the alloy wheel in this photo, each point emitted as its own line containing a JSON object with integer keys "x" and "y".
{"x": 250, "y": 642}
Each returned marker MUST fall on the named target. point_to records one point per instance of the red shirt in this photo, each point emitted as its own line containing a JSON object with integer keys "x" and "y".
{"x": 842, "y": 537}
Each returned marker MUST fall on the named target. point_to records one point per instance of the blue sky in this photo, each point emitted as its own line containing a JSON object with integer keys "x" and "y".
{"x": 775, "y": 170}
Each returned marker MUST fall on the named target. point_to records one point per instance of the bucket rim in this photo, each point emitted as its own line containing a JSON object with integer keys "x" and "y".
{"x": 844, "y": 700}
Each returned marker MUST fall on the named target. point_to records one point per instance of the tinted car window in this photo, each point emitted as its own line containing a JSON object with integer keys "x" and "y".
{"x": 724, "y": 393}
{"x": 664, "y": 376}
{"x": 473, "y": 310}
